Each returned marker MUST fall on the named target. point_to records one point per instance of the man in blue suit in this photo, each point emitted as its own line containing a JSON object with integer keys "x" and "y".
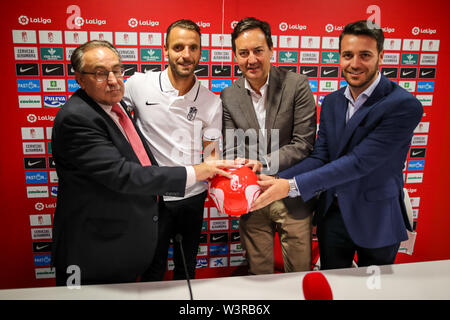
{"x": 356, "y": 167}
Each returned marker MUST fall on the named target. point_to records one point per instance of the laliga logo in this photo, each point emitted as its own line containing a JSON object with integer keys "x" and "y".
{"x": 31, "y": 118}
{"x": 133, "y": 23}
{"x": 329, "y": 27}
{"x": 23, "y": 20}
{"x": 76, "y": 21}
{"x": 416, "y": 30}
{"x": 79, "y": 21}
{"x": 283, "y": 26}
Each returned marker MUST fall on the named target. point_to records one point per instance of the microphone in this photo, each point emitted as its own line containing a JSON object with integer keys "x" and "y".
{"x": 316, "y": 287}
{"x": 179, "y": 239}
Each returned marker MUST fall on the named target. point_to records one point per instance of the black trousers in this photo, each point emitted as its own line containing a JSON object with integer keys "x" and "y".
{"x": 184, "y": 217}
{"x": 337, "y": 249}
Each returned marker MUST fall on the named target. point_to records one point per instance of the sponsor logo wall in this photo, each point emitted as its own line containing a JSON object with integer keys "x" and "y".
{"x": 40, "y": 44}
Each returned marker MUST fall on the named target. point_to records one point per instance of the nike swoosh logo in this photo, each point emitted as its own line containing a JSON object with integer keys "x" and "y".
{"x": 47, "y": 70}
{"x": 385, "y": 73}
{"x": 415, "y": 153}
{"x": 26, "y": 69}
{"x": 198, "y": 70}
{"x": 150, "y": 103}
{"x": 126, "y": 70}
{"x": 325, "y": 72}
{"x": 426, "y": 73}
{"x": 151, "y": 69}
{"x": 41, "y": 247}
{"x": 217, "y": 238}
{"x": 33, "y": 163}
{"x": 406, "y": 73}
{"x": 217, "y": 71}
{"x": 307, "y": 71}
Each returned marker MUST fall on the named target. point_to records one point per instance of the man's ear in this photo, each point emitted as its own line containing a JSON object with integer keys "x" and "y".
{"x": 166, "y": 52}
{"x": 381, "y": 56}
{"x": 79, "y": 79}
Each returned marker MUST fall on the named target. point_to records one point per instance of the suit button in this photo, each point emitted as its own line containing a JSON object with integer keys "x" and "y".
{"x": 155, "y": 218}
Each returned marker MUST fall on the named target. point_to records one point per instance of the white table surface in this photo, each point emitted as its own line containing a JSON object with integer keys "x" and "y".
{"x": 424, "y": 280}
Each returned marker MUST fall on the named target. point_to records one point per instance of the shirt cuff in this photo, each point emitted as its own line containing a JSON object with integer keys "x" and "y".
{"x": 190, "y": 176}
{"x": 294, "y": 193}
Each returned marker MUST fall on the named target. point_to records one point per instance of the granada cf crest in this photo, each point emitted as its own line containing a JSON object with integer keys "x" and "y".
{"x": 192, "y": 113}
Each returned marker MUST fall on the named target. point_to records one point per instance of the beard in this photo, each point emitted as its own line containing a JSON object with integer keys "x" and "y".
{"x": 371, "y": 75}
{"x": 181, "y": 71}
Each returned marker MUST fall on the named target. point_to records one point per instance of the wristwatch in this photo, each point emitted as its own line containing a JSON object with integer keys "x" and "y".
{"x": 293, "y": 191}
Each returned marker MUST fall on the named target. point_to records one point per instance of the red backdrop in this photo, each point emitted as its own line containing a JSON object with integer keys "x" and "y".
{"x": 290, "y": 20}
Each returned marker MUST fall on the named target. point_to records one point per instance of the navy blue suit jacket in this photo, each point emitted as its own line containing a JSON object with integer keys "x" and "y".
{"x": 361, "y": 162}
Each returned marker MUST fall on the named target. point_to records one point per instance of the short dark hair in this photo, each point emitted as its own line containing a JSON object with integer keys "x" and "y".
{"x": 364, "y": 27}
{"x": 185, "y": 24}
{"x": 248, "y": 24}
{"x": 77, "y": 56}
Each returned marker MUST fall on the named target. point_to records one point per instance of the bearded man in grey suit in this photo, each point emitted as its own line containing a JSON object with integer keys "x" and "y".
{"x": 269, "y": 117}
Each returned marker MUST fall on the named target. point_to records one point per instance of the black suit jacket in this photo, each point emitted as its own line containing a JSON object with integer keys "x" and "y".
{"x": 107, "y": 210}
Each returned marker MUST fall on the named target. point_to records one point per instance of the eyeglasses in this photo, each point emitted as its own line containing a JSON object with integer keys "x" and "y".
{"x": 102, "y": 75}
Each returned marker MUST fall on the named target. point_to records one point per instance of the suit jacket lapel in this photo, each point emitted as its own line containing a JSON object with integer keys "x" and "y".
{"x": 339, "y": 119}
{"x": 374, "y": 99}
{"x": 274, "y": 94}
{"x": 144, "y": 141}
{"x": 108, "y": 119}
{"x": 246, "y": 105}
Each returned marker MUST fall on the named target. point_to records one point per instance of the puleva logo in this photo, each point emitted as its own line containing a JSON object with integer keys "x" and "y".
{"x": 54, "y": 101}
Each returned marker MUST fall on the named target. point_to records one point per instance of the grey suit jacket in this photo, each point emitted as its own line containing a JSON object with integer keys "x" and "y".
{"x": 290, "y": 123}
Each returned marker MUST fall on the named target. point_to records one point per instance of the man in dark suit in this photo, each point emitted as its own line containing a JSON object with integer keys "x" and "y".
{"x": 364, "y": 135}
{"x": 272, "y": 114}
{"x": 105, "y": 225}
